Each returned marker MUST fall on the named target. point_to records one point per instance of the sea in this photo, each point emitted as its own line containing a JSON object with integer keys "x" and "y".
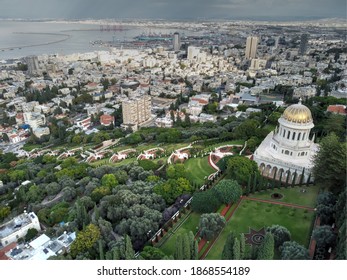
{"x": 19, "y": 39}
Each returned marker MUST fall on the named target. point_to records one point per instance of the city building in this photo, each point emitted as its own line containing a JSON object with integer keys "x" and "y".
{"x": 137, "y": 111}
{"x": 33, "y": 64}
{"x": 176, "y": 42}
{"x": 41, "y": 248}
{"x": 83, "y": 122}
{"x": 251, "y": 47}
{"x": 106, "y": 120}
{"x": 18, "y": 228}
{"x": 287, "y": 153}
{"x": 193, "y": 53}
{"x": 34, "y": 119}
{"x": 303, "y": 43}
{"x": 337, "y": 109}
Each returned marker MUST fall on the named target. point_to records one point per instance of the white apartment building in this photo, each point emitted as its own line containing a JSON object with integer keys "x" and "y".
{"x": 34, "y": 119}
{"x": 18, "y": 227}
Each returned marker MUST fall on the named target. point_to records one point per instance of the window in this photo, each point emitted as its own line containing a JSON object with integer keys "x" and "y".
{"x": 303, "y": 136}
{"x": 286, "y": 152}
{"x": 293, "y": 138}
{"x": 284, "y": 133}
{"x": 288, "y": 135}
{"x": 299, "y": 135}
{"x": 303, "y": 153}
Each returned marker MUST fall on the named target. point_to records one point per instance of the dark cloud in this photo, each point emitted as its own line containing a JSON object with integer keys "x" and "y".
{"x": 172, "y": 9}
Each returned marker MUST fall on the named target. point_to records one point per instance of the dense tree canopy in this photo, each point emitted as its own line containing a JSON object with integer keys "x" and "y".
{"x": 280, "y": 234}
{"x": 228, "y": 191}
{"x": 240, "y": 167}
{"x": 291, "y": 250}
{"x": 210, "y": 225}
{"x": 205, "y": 202}
{"x": 330, "y": 164}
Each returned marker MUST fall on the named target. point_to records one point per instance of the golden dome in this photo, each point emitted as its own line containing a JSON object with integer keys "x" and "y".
{"x": 297, "y": 113}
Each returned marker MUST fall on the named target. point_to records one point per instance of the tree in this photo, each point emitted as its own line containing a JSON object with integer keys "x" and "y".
{"x": 178, "y": 255}
{"x": 237, "y": 250}
{"x": 4, "y": 212}
{"x": 266, "y": 248}
{"x": 85, "y": 240}
{"x": 239, "y": 168}
{"x": 330, "y": 163}
{"x": 109, "y": 181}
{"x": 122, "y": 250}
{"x": 171, "y": 189}
{"x": 291, "y": 250}
{"x": 205, "y": 202}
{"x": 31, "y": 233}
{"x": 152, "y": 253}
{"x": 186, "y": 247}
{"x": 194, "y": 253}
{"x": 228, "y": 249}
{"x": 242, "y": 247}
{"x": 175, "y": 171}
{"x": 210, "y": 225}
{"x": 280, "y": 234}
{"x": 228, "y": 191}
{"x": 147, "y": 164}
{"x": 324, "y": 236}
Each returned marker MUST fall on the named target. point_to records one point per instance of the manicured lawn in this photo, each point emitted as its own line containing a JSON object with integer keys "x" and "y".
{"x": 256, "y": 215}
{"x": 191, "y": 224}
{"x": 292, "y": 195}
{"x": 197, "y": 169}
{"x": 235, "y": 142}
{"x": 28, "y": 147}
{"x": 106, "y": 162}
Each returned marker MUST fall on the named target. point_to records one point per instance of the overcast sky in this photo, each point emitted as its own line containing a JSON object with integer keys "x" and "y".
{"x": 173, "y": 9}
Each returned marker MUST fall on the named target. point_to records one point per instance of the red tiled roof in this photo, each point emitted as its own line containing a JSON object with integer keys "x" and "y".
{"x": 6, "y": 249}
{"x": 338, "y": 109}
{"x": 106, "y": 119}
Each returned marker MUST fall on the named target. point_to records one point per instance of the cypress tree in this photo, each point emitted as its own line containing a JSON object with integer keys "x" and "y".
{"x": 266, "y": 248}
{"x": 193, "y": 247}
{"x": 236, "y": 249}
{"x": 280, "y": 181}
{"x": 255, "y": 183}
{"x": 294, "y": 179}
{"x": 186, "y": 247}
{"x": 227, "y": 253}
{"x": 242, "y": 246}
{"x": 101, "y": 250}
{"x": 128, "y": 248}
{"x": 248, "y": 188}
{"x": 178, "y": 255}
{"x": 287, "y": 179}
{"x": 302, "y": 177}
{"x": 308, "y": 180}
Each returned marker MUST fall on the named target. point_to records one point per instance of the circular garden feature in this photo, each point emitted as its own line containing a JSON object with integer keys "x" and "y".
{"x": 276, "y": 196}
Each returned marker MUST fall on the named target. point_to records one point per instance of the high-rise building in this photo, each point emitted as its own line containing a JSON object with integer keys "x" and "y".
{"x": 137, "y": 110}
{"x": 251, "y": 47}
{"x": 303, "y": 43}
{"x": 192, "y": 52}
{"x": 176, "y": 42}
{"x": 33, "y": 64}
